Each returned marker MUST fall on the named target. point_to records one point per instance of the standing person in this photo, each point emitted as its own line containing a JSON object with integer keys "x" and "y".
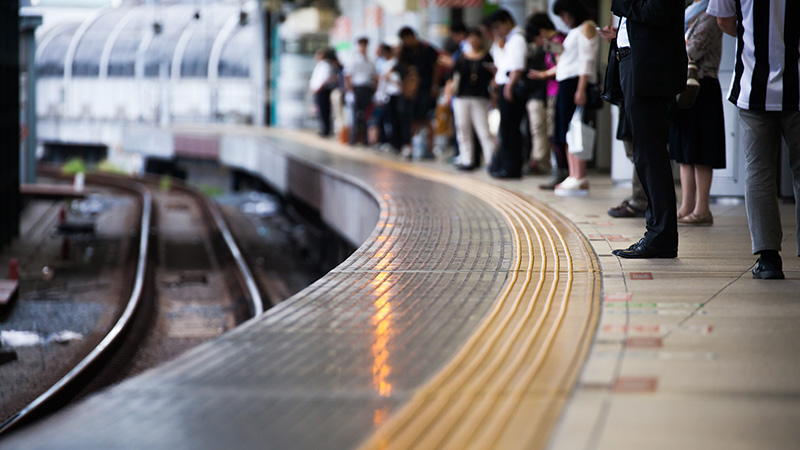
{"x": 360, "y": 78}
{"x": 510, "y": 61}
{"x": 576, "y": 70}
{"x": 402, "y": 85}
{"x": 766, "y": 90}
{"x": 652, "y": 70}
{"x": 636, "y": 204}
{"x": 423, "y": 58}
{"x": 697, "y": 135}
{"x": 541, "y": 114}
{"x": 458, "y": 34}
{"x": 472, "y": 74}
{"x": 322, "y": 81}
{"x": 380, "y": 120}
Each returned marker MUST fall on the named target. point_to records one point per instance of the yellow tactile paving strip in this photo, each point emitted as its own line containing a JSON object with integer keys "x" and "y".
{"x": 505, "y": 387}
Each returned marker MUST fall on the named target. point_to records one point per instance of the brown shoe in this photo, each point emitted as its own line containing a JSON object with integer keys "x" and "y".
{"x": 625, "y": 209}
{"x": 694, "y": 219}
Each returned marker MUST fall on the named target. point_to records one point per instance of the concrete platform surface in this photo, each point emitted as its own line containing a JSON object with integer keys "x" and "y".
{"x": 684, "y": 353}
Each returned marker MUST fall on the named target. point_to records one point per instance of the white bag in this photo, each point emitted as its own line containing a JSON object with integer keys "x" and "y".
{"x": 580, "y": 136}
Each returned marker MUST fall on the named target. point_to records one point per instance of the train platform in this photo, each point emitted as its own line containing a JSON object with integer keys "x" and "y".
{"x": 476, "y": 313}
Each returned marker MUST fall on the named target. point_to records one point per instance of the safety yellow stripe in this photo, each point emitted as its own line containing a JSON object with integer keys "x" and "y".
{"x": 505, "y": 386}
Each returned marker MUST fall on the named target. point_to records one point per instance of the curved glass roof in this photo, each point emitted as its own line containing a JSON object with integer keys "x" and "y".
{"x": 122, "y": 60}
{"x": 87, "y": 55}
{"x": 50, "y": 60}
{"x": 237, "y": 53}
{"x": 172, "y": 21}
{"x": 207, "y": 28}
{"x": 238, "y": 49}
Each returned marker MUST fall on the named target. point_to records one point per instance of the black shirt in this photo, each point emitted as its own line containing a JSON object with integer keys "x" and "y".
{"x": 423, "y": 57}
{"x": 474, "y": 76}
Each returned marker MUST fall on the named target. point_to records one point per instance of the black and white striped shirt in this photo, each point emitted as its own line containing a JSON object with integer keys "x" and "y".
{"x": 768, "y": 45}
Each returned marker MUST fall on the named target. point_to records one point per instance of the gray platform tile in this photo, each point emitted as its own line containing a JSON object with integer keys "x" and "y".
{"x": 323, "y": 368}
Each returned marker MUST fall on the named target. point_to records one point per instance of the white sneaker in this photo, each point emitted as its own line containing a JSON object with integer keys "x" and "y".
{"x": 572, "y": 187}
{"x": 406, "y": 152}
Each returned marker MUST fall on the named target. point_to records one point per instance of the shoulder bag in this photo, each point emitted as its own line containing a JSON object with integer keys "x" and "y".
{"x": 612, "y": 90}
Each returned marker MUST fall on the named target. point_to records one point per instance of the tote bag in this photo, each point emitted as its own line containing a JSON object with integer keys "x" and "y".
{"x": 580, "y": 136}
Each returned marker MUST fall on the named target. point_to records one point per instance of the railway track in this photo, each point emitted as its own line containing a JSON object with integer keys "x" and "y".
{"x": 107, "y": 361}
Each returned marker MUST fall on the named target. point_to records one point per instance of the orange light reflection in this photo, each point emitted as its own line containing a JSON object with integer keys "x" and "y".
{"x": 383, "y": 322}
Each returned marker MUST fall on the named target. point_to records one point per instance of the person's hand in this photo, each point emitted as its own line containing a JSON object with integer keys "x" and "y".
{"x": 580, "y": 97}
{"x": 534, "y": 74}
{"x": 608, "y": 33}
{"x": 508, "y": 92}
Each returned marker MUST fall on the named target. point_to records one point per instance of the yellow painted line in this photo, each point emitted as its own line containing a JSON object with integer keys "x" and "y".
{"x": 472, "y": 400}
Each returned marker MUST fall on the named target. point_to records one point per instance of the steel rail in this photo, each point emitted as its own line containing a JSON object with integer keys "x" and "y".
{"x": 134, "y": 300}
{"x": 116, "y": 331}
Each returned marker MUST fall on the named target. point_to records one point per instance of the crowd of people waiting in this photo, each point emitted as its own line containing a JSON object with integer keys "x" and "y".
{"x": 544, "y": 84}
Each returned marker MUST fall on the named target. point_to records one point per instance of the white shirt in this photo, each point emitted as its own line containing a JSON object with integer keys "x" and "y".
{"x": 321, "y": 74}
{"x": 579, "y": 56}
{"x": 511, "y": 57}
{"x": 623, "y": 40}
{"x": 361, "y": 70}
{"x": 759, "y": 85}
{"x": 388, "y": 83}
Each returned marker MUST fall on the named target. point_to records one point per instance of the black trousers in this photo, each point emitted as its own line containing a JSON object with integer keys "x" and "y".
{"x": 647, "y": 117}
{"x": 323, "y": 101}
{"x": 397, "y": 109}
{"x": 508, "y": 158}
{"x": 363, "y": 98}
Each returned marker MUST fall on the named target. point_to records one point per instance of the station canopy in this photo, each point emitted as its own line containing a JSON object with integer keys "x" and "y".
{"x": 149, "y": 41}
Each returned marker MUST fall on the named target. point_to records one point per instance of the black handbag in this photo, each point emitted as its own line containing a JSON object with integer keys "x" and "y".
{"x": 612, "y": 90}
{"x": 594, "y": 99}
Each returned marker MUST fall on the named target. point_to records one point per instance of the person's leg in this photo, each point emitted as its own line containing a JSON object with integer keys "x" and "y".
{"x": 791, "y": 132}
{"x": 480, "y": 120}
{"x": 430, "y": 108}
{"x": 572, "y": 163}
{"x": 509, "y": 153}
{"x": 461, "y": 114}
{"x": 580, "y": 168}
{"x": 537, "y": 118}
{"x": 648, "y": 119}
{"x": 702, "y": 180}
{"x": 761, "y": 142}
{"x": 325, "y": 111}
{"x": 638, "y": 198}
{"x": 357, "y": 119}
{"x": 550, "y": 117}
{"x": 688, "y": 189}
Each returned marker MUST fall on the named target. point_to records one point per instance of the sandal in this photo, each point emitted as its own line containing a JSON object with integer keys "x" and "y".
{"x": 694, "y": 219}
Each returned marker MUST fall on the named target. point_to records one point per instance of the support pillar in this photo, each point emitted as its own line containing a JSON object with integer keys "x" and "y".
{"x": 438, "y": 24}
{"x": 27, "y": 29}
{"x": 9, "y": 121}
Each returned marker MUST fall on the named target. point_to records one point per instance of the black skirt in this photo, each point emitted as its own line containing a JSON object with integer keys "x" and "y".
{"x": 697, "y": 135}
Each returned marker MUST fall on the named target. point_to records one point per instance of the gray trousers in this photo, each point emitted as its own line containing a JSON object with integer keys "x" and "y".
{"x": 638, "y": 198}
{"x": 760, "y": 138}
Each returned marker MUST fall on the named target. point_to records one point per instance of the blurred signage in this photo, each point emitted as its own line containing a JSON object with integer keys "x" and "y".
{"x": 458, "y": 3}
{"x": 399, "y": 6}
{"x": 373, "y": 17}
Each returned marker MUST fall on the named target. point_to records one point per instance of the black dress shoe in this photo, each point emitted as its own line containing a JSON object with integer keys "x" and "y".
{"x": 642, "y": 250}
{"x": 463, "y": 168}
{"x": 503, "y": 174}
{"x": 768, "y": 271}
